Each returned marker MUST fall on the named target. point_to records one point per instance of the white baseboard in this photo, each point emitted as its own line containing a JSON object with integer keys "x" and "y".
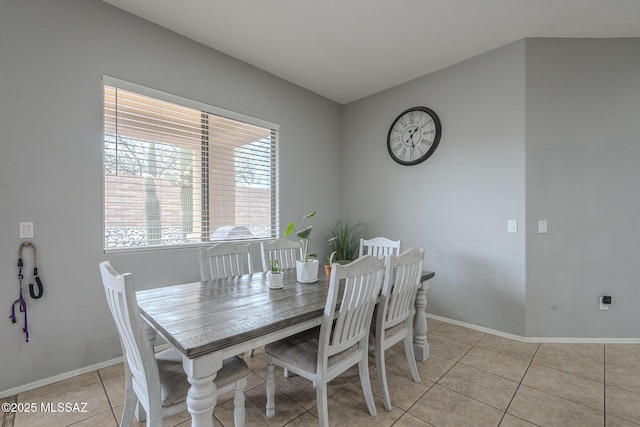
{"x": 67, "y": 375}
{"x": 537, "y": 339}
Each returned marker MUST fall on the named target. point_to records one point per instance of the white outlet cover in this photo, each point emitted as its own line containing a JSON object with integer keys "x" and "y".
{"x": 26, "y": 230}
{"x": 542, "y": 226}
{"x": 512, "y": 226}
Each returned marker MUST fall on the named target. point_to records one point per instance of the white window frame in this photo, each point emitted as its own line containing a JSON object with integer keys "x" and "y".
{"x": 209, "y": 109}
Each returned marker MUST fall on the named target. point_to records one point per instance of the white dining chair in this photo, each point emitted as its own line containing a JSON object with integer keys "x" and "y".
{"x": 379, "y": 246}
{"x": 225, "y": 260}
{"x": 341, "y": 341}
{"x": 157, "y": 383}
{"x": 286, "y": 251}
{"x": 394, "y": 314}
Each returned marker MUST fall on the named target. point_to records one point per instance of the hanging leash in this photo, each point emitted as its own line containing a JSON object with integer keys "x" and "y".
{"x": 22, "y": 303}
{"x": 35, "y": 277}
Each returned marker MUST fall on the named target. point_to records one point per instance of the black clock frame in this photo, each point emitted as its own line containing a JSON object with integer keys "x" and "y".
{"x": 434, "y": 144}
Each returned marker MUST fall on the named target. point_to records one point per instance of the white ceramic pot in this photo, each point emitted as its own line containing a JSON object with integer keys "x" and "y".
{"x": 307, "y": 272}
{"x": 275, "y": 280}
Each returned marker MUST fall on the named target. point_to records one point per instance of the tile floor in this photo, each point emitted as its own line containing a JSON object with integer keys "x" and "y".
{"x": 471, "y": 379}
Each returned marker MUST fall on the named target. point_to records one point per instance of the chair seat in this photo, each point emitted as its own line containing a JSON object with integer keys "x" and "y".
{"x": 302, "y": 350}
{"x": 173, "y": 381}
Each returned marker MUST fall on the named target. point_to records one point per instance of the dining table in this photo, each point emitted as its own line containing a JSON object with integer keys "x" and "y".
{"x": 209, "y": 321}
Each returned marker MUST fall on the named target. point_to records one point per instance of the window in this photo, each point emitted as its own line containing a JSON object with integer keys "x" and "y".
{"x": 177, "y": 172}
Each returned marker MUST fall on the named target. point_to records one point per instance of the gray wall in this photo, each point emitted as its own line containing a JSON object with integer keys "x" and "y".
{"x": 52, "y": 57}
{"x": 555, "y": 119}
{"x": 583, "y": 176}
{"x": 457, "y": 203}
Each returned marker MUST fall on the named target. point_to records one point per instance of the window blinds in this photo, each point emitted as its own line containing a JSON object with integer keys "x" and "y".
{"x": 177, "y": 173}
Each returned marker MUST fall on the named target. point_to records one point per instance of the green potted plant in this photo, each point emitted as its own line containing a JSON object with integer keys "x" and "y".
{"x": 307, "y": 267}
{"x": 344, "y": 239}
{"x": 274, "y": 275}
{"x": 327, "y": 267}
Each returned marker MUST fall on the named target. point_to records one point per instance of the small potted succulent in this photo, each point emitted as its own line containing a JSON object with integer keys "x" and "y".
{"x": 275, "y": 275}
{"x": 327, "y": 267}
{"x": 307, "y": 267}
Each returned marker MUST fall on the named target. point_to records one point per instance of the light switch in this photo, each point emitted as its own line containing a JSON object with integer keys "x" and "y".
{"x": 26, "y": 230}
{"x": 542, "y": 226}
{"x": 512, "y": 226}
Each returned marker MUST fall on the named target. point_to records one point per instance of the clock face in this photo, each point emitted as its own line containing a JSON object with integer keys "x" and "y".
{"x": 414, "y": 136}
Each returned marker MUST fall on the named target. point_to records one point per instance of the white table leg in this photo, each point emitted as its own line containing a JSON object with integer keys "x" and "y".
{"x": 201, "y": 398}
{"x": 420, "y": 344}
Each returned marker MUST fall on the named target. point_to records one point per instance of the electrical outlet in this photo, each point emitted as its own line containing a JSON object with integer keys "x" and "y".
{"x": 605, "y": 302}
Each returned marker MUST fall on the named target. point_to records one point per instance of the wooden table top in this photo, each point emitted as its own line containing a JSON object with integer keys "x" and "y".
{"x": 203, "y": 317}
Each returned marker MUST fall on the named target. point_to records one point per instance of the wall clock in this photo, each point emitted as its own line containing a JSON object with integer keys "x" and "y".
{"x": 414, "y": 136}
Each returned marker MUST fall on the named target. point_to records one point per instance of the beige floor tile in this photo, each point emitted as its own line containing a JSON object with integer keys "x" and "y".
{"x": 563, "y": 386}
{"x": 545, "y": 409}
{"x": 627, "y": 355}
{"x": 508, "y": 347}
{"x": 91, "y": 400}
{"x": 176, "y": 419}
{"x": 402, "y": 390}
{"x": 431, "y": 369}
{"x": 304, "y": 420}
{"x": 553, "y": 358}
{"x": 441, "y": 406}
{"x": 459, "y": 333}
{"x": 433, "y": 324}
{"x": 302, "y": 391}
{"x": 447, "y": 347}
{"x": 589, "y": 351}
{"x": 347, "y": 407}
{"x": 510, "y": 421}
{"x": 114, "y": 386}
{"x": 51, "y": 390}
{"x": 105, "y": 419}
{"x": 255, "y": 406}
{"x": 408, "y": 420}
{"x": 116, "y": 370}
{"x": 612, "y": 421}
{"x": 480, "y": 385}
{"x": 507, "y": 367}
{"x": 623, "y": 404}
{"x": 621, "y": 377}
{"x": 571, "y": 387}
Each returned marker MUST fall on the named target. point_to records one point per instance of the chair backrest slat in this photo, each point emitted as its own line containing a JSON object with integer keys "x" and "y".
{"x": 379, "y": 246}
{"x": 402, "y": 279}
{"x": 286, "y": 251}
{"x": 348, "y": 324}
{"x": 225, "y": 260}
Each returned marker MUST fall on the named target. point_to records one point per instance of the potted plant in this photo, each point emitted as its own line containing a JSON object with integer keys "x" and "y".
{"x": 327, "y": 267}
{"x": 307, "y": 267}
{"x": 344, "y": 239}
{"x": 275, "y": 275}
